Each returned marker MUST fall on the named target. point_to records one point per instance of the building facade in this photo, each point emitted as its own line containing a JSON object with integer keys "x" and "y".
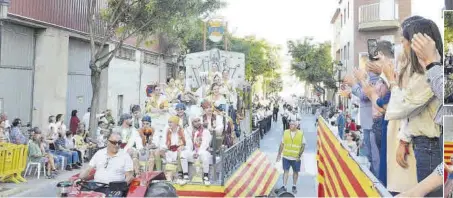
{"x": 44, "y": 70}
{"x": 356, "y": 21}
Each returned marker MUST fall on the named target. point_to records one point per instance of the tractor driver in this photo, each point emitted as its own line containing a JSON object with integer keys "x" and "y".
{"x": 111, "y": 164}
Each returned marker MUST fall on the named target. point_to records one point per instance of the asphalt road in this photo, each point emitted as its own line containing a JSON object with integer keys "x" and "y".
{"x": 306, "y": 184}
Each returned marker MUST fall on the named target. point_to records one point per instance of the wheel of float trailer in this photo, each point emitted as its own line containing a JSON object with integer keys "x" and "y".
{"x": 286, "y": 194}
{"x": 161, "y": 189}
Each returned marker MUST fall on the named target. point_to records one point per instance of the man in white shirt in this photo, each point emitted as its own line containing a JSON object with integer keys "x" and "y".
{"x": 111, "y": 164}
{"x": 197, "y": 148}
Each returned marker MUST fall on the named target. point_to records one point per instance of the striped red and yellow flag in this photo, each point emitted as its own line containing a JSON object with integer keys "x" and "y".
{"x": 448, "y": 152}
{"x": 255, "y": 177}
{"x": 339, "y": 175}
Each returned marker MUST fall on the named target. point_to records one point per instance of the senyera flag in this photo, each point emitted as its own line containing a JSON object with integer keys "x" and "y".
{"x": 448, "y": 152}
{"x": 339, "y": 175}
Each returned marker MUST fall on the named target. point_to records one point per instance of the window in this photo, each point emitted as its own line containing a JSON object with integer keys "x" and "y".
{"x": 348, "y": 9}
{"x": 344, "y": 11}
{"x": 349, "y": 48}
{"x": 171, "y": 70}
{"x": 120, "y": 105}
{"x": 345, "y": 53}
{"x": 126, "y": 54}
{"x": 152, "y": 59}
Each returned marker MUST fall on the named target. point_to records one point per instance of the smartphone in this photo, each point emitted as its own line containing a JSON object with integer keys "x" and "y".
{"x": 372, "y": 49}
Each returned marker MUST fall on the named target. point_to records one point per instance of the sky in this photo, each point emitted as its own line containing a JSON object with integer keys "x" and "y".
{"x": 281, "y": 20}
{"x": 278, "y": 21}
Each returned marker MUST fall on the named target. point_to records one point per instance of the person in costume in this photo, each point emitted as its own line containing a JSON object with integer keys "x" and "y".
{"x": 131, "y": 141}
{"x": 157, "y": 108}
{"x": 198, "y": 145}
{"x": 172, "y": 91}
{"x": 180, "y": 82}
{"x": 213, "y": 122}
{"x": 229, "y": 138}
{"x": 150, "y": 154}
{"x": 183, "y": 117}
{"x": 216, "y": 97}
{"x": 175, "y": 142}
{"x": 137, "y": 116}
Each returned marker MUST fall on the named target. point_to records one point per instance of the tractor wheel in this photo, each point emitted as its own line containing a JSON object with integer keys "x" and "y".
{"x": 161, "y": 189}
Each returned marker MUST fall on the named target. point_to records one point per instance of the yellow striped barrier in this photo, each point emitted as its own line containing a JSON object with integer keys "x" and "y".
{"x": 13, "y": 159}
{"x": 339, "y": 174}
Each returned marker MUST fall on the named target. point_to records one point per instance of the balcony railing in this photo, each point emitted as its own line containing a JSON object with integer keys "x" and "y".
{"x": 378, "y": 12}
{"x": 378, "y": 16}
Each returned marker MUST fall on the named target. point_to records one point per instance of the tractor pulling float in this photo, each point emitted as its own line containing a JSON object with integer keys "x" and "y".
{"x": 240, "y": 170}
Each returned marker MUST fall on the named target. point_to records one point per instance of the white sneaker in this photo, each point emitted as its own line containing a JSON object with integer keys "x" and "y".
{"x": 182, "y": 182}
{"x": 206, "y": 181}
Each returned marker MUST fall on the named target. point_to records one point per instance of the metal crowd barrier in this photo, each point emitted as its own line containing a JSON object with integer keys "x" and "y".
{"x": 235, "y": 156}
{"x": 13, "y": 159}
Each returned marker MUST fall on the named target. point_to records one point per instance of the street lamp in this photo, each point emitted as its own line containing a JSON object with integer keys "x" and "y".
{"x": 339, "y": 67}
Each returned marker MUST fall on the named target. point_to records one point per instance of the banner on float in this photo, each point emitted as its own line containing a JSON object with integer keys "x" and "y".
{"x": 339, "y": 175}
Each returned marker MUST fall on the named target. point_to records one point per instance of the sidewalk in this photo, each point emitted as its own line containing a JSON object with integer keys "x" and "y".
{"x": 34, "y": 187}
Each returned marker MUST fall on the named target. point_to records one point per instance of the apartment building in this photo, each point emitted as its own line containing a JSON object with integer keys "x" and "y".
{"x": 356, "y": 21}
{"x": 44, "y": 60}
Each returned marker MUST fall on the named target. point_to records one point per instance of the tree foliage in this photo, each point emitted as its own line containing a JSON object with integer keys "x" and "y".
{"x": 312, "y": 61}
{"x": 448, "y": 24}
{"x": 261, "y": 57}
{"x": 139, "y": 19}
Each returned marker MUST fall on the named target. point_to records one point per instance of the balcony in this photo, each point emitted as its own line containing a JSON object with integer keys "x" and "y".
{"x": 378, "y": 16}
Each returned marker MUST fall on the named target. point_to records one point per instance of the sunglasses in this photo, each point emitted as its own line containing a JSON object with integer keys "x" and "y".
{"x": 115, "y": 143}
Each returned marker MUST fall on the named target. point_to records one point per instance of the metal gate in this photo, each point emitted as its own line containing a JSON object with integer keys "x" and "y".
{"x": 16, "y": 71}
{"x": 79, "y": 78}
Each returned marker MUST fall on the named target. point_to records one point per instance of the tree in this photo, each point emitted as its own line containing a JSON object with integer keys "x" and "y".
{"x": 260, "y": 56}
{"x": 312, "y": 62}
{"x": 141, "y": 19}
{"x": 448, "y": 24}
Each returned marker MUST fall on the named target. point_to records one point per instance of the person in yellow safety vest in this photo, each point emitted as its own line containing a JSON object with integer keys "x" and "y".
{"x": 292, "y": 147}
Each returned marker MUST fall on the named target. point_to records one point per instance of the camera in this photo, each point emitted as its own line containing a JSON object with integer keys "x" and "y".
{"x": 372, "y": 49}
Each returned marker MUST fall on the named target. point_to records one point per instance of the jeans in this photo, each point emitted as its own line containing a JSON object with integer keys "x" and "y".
{"x": 366, "y": 146}
{"x": 377, "y": 129}
{"x": 341, "y": 132}
{"x": 376, "y": 142}
{"x": 428, "y": 154}
{"x": 374, "y": 152}
{"x": 72, "y": 157}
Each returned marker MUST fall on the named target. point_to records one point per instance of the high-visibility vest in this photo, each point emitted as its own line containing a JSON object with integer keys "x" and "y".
{"x": 292, "y": 146}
